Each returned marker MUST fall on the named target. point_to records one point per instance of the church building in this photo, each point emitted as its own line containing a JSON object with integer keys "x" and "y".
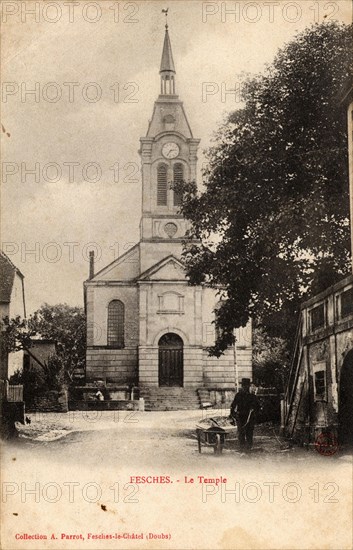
{"x": 146, "y": 325}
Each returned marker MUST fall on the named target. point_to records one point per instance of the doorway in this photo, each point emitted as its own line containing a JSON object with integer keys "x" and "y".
{"x": 170, "y": 360}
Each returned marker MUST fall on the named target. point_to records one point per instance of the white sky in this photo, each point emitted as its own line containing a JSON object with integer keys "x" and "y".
{"x": 209, "y": 46}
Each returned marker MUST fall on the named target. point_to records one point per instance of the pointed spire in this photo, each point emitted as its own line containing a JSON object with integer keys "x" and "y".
{"x": 167, "y": 69}
{"x": 167, "y": 63}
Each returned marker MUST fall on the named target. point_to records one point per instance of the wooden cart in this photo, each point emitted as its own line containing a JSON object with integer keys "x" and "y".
{"x": 215, "y": 436}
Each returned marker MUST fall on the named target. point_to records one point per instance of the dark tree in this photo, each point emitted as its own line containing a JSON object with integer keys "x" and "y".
{"x": 66, "y": 326}
{"x": 63, "y": 324}
{"x": 270, "y": 360}
{"x": 271, "y": 225}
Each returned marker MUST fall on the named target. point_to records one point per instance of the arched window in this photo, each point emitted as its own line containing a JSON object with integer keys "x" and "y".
{"x": 162, "y": 185}
{"x": 178, "y": 176}
{"x": 116, "y": 321}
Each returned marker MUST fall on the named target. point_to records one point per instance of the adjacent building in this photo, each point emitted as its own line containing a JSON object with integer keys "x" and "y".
{"x": 12, "y": 304}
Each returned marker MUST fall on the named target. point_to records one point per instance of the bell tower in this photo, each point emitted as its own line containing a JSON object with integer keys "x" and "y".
{"x": 168, "y": 154}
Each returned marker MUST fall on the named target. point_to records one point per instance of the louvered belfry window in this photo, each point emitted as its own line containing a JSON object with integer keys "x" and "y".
{"x": 116, "y": 321}
{"x": 178, "y": 176}
{"x": 162, "y": 185}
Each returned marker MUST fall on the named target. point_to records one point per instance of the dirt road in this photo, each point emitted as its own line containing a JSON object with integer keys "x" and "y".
{"x": 109, "y": 474}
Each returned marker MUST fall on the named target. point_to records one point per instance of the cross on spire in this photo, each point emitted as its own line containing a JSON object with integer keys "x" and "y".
{"x": 165, "y": 11}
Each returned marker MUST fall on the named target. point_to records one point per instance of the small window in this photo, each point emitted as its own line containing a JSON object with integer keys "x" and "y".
{"x": 116, "y": 321}
{"x": 178, "y": 176}
{"x": 320, "y": 385}
{"x": 347, "y": 302}
{"x": 162, "y": 185}
{"x": 317, "y": 317}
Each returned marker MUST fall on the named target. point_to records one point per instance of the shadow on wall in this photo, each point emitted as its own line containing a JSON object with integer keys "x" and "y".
{"x": 345, "y": 409}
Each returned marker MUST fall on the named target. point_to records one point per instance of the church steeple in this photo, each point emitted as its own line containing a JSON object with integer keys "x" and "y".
{"x": 168, "y": 154}
{"x": 167, "y": 69}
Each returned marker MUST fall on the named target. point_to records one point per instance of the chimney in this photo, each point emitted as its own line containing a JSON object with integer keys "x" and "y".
{"x": 91, "y": 264}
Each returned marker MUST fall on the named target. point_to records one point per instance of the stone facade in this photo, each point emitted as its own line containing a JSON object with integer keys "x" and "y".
{"x": 148, "y": 283}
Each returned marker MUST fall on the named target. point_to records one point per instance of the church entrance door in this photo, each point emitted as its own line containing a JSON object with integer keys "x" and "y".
{"x": 345, "y": 409}
{"x": 170, "y": 360}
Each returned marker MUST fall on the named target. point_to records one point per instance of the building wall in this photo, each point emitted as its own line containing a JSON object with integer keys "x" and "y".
{"x": 17, "y": 305}
{"x": 322, "y": 350}
{"x": 11, "y": 362}
{"x": 15, "y": 362}
{"x": 193, "y": 366}
{"x": 147, "y": 318}
{"x": 155, "y": 319}
{"x": 42, "y": 350}
{"x": 219, "y": 372}
{"x": 151, "y": 253}
{"x": 111, "y": 365}
{"x": 321, "y": 356}
{"x": 102, "y": 362}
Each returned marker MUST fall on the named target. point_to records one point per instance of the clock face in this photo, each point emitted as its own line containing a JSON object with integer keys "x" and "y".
{"x": 170, "y": 150}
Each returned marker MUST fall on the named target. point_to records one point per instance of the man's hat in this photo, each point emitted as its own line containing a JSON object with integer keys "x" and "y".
{"x": 245, "y": 382}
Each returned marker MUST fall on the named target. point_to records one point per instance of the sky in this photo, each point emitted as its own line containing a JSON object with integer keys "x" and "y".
{"x": 79, "y": 83}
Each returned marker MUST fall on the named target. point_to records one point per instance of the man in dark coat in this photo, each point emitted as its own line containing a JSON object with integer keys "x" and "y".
{"x": 244, "y": 410}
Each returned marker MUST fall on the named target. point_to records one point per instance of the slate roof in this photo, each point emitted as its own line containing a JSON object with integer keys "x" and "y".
{"x": 167, "y": 63}
{"x": 7, "y": 276}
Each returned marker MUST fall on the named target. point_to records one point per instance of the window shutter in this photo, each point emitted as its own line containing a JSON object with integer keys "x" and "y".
{"x": 162, "y": 185}
{"x": 178, "y": 176}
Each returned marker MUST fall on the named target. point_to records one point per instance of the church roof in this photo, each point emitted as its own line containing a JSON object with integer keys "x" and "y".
{"x": 171, "y": 259}
{"x": 123, "y": 268}
{"x": 167, "y": 63}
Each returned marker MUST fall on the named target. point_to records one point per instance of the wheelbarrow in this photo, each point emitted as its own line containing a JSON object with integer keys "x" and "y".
{"x": 214, "y": 436}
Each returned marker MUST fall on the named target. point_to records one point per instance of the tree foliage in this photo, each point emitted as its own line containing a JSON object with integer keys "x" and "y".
{"x": 63, "y": 324}
{"x": 66, "y": 326}
{"x": 270, "y": 360}
{"x": 40, "y": 378}
{"x": 271, "y": 225}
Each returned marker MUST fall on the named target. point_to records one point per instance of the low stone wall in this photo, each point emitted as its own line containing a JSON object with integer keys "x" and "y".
{"x": 112, "y": 405}
{"x": 52, "y": 401}
{"x": 111, "y": 392}
{"x": 216, "y": 397}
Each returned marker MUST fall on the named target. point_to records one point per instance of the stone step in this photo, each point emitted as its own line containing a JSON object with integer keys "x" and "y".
{"x": 170, "y": 391}
{"x": 173, "y": 403}
{"x": 170, "y": 398}
{"x": 176, "y": 407}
